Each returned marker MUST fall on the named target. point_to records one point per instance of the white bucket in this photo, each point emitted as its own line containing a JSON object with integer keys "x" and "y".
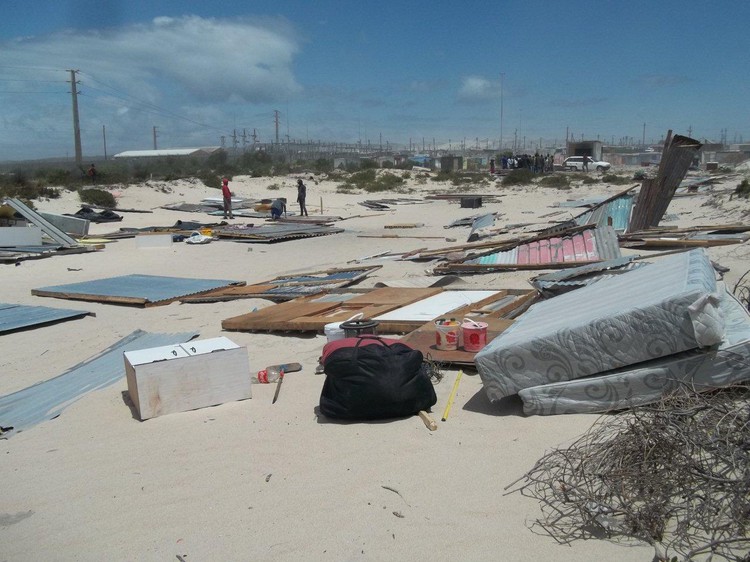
{"x": 334, "y": 331}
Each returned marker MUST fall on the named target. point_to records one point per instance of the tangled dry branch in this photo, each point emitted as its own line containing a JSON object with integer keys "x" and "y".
{"x": 675, "y": 475}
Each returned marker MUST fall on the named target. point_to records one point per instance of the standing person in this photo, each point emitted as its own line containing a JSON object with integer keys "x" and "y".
{"x": 277, "y": 207}
{"x": 585, "y": 163}
{"x": 92, "y": 174}
{"x": 492, "y": 165}
{"x": 227, "y": 196}
{"x": 301, "y": 196}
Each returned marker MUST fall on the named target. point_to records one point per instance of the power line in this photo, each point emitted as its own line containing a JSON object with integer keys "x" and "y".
{"x": 127, "y": 97}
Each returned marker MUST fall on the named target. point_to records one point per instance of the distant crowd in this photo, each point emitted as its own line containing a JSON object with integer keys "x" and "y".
{"x": 538, "y": 163}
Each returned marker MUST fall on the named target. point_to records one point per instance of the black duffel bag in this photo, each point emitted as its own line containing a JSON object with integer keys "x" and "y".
{"x": 372, "y": 378}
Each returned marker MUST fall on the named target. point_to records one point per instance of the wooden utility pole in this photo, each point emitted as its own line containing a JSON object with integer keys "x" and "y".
{"x": 276, "y": 121}
{"x": 104, "y": 137}
{"x": 76, "y": 124}
{"x": 154, "y": 137}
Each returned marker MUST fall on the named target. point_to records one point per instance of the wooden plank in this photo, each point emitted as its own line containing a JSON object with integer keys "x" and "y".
{"x": 277, "y": 316}
{"x": 88, "y": 297}
{"x": 395, "y": 295}
{"x": 423, "y": 339}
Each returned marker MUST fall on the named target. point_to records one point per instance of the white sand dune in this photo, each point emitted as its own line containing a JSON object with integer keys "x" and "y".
{"x": 254, "y": 481}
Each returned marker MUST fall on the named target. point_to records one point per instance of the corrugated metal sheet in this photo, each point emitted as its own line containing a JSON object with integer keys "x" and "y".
{"x": 582, "y": 270}
{"x": 46, "y": 400}
{"x": 565, "y": 280}
{"x": 581, "y": 202}
{"x": 594, "y": 244}
{"x": 274, "y": 232}
{"x": 15, "y": 317}
{"x": 134, "y": 289}
{"x": 334, "y": 276}
{"x": 618, "y": 210}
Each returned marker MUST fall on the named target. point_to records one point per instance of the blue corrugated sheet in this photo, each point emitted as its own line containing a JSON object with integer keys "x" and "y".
{"x": 15, "y": 317}
{"x": 46, "y": 400}
{"x": 618, "y": 210}
{"x": 134, "y": 289}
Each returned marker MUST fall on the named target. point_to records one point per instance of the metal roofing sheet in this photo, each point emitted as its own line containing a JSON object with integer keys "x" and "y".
{"x": 617, "y": 209}
{"x": 134, "y": 288}
{"x": 334, "y": 276}
{"x": 589, "y": 245}
{"x": 46, "y": 400}
{"x": 275, "y": 232}
{"x": 15, "y": 317}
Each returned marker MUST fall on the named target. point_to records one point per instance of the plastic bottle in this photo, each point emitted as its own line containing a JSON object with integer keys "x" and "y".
{"x": 269, "y": 375}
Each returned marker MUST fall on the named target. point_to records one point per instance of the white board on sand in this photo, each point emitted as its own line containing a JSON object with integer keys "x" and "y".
{"x": 436, "y": 305}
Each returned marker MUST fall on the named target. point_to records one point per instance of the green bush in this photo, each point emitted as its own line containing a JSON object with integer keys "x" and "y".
{"x": 368, "y": 180}
{"x": 323, "y": 165}
{"x": 614, "y": 179}
{"x": 97, "y": 197}
{"x": 555, "y": 180}
{"x": 519, "y": 176}
{"x": 743, "y": 189}
{"x": 443, "y": 175}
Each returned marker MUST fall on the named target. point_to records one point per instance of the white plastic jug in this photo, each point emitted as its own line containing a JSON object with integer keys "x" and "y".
{"x": 334, "y": 331}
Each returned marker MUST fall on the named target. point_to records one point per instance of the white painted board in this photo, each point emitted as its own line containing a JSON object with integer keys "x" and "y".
{"x": 435, "y": 306}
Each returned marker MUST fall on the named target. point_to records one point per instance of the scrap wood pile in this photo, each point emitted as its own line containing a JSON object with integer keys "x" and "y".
{"x": 675, "y": 475}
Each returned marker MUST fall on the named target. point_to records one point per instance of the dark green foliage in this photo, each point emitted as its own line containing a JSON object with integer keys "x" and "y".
{"x": 17, "y": 184}
{"x": 640, "y": 175}
{"x": 257, "y": 164}
{"x": 97, "y": 197}
{"x": 743, "y": 189}
{"x": 368, "y": 180}
{"x": 555, "y": 180}
{"x": 519, "y": 176}
{"x": 614, "y": 179}
{"x": 443, "y": 176}
{"x": 209, "y": 178}
{"x": 323, "y": 165}
{"x": 217, "y": 160}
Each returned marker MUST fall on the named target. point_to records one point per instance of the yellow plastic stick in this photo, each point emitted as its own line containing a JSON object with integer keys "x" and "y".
{"x": 452, "y": 396}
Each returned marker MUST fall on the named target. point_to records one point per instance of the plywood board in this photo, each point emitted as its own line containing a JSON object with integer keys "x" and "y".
{"x": 311, "y": 314}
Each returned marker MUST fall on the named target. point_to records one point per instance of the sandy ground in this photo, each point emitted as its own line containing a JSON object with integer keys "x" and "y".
{"x": 254, "y": 481}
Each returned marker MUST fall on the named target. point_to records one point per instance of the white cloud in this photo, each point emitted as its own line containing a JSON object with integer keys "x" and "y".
{"x": 172, "y": 63}
{"x": 477, "y": 88}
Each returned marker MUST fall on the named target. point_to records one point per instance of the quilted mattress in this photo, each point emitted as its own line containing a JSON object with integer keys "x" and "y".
{"x": 713, "y": 367}
{"x": 668, "y": 307}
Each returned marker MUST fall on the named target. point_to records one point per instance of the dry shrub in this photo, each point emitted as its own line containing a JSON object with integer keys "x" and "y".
{"x": 675, "y": 474}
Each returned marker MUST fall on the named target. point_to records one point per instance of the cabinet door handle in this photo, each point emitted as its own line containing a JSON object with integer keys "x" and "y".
{"x": 193, "y": 350}
{"x": 174, "y": 352}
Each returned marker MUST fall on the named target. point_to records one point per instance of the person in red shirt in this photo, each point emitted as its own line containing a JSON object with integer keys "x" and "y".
{"x": 227, "y": 195}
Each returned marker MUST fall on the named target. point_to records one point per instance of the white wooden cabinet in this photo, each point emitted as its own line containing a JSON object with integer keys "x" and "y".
{"x": 177, "y": 378}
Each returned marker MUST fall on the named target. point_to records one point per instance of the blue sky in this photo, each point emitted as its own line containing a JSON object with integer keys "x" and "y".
{"x": 365, "y": 71}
